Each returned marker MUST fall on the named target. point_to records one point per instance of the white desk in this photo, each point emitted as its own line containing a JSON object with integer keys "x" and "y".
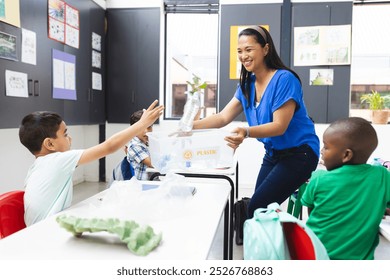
{"x": 187, "y": 235}
{"x": 222, "y": 174}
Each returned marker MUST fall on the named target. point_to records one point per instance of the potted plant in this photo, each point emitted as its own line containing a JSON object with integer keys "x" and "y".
{"x": 196, "y": 85}
{"x": 376, "y": 102}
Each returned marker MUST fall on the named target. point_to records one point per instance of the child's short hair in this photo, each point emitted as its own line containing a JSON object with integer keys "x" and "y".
{"x": 37, "y": 126}
{"x": 136, "y": 116}
{"x": 359, "y": 135}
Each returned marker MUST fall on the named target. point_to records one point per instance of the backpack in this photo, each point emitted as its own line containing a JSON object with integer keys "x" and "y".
{"x": 276, "y": 235}
{"x": 240, "y": 215}
{"x": 123, "y": 171}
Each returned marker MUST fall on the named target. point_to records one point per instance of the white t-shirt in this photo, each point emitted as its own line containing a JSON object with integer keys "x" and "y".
{"x": 49, "y": 186}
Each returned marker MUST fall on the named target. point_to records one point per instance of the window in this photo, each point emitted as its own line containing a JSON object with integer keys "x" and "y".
{"x": 191, "y": 51}
{"x": 370, "y": 66}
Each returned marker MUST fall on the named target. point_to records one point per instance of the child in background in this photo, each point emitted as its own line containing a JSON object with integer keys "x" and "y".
{"x": 137, "y": 149}
{"x": 48, "y": 185}
{"x": 348, "y": 200}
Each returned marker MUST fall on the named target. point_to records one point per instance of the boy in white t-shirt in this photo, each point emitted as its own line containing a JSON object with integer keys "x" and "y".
{"x": 48, "y": 185}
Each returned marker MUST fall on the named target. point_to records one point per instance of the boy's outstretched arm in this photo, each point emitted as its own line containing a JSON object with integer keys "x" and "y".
{"x": 120, "y": 139}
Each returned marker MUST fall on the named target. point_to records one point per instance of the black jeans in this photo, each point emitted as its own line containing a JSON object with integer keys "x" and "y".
{"x": 281, "y": 174}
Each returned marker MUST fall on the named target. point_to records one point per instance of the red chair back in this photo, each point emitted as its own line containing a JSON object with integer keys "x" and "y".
{"x": 298, "y": 242}
{"x": 11, "y": 213}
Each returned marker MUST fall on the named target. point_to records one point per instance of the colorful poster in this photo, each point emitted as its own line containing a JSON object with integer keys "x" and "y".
{"x": 64, "y": 75}
{"x": 63, "y": 23}
{"x": 322, "y": 45}
{"x": 2, "y": 9}
{"x": 235, "y": 64}
{"x": 10, "y": 12}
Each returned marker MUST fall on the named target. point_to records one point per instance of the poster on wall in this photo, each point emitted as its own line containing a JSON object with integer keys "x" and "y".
{"x": 56, "y": 19}
{"x": 96, "y": 59}
{"x": 10, "y": 12}
{"x": 29, "y": 47}
{"x": 96, "y": 81}
{"x": 64, "y": 75}
{"x": 321, "y": 77}
{"x": 2, "y": 9}
{"x": 8, "y": 47}
{"x": 16, "y": 84}
{"x": 235, "y": 64}
{"x": 72, "y": 21}
{"x": 96, "y": 41}
{"x": 322, "y": 45}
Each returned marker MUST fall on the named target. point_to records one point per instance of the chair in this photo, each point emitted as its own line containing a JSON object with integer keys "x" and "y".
{"x": 123, "y": 171}
{"x": 11, "y": 213}
{"x": 294, "y": 206}
{"x": 299, "y": 242}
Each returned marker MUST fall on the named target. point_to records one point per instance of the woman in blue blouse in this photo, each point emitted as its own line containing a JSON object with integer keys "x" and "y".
{"x": 271, "y": 97}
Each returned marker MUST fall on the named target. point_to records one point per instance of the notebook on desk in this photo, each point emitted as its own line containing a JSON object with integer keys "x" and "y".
{"x": 384, "y": 227}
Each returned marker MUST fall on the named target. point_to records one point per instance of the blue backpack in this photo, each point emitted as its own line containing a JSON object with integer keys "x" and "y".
{"x": 123, "y": 171}
{"x": 276, "y": 235}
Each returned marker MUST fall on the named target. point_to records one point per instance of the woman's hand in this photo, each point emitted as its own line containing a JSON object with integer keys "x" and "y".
{"x": 238, "y": 135}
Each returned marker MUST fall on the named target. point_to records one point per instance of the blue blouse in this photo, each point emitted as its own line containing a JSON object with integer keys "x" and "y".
{"x": 283, "y": 87}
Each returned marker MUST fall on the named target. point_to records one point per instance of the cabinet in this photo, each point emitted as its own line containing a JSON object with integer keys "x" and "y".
{"x": 90, "y": 107}
{"x": 133, "y": 59}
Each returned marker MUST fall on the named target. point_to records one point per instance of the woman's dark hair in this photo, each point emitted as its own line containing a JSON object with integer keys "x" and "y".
{"x": 272, "y": 59}
{"x": 38, "y": 126}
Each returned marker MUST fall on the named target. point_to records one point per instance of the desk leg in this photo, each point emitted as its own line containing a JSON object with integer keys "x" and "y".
{"x": 226, "y": 232}
{"x": 225, "y": 177}
{"x": 237, "y": 180}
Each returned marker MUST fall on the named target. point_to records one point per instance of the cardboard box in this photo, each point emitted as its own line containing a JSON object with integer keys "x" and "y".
{"x": 203, "y": 149}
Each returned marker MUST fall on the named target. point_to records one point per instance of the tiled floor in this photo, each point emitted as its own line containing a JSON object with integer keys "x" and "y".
{"x": 87, "y": 189}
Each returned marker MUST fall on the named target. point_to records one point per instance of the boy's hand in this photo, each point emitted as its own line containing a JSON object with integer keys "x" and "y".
{"x": 151, "y": 114}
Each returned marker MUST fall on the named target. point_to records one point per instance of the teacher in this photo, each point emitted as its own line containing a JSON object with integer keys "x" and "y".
{"x": 270, "y": 95}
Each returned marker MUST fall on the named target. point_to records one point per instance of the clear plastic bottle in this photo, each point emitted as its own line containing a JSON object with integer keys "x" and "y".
{"x": 191, "y": 108}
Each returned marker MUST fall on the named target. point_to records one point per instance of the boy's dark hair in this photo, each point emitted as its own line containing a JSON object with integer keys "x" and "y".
{"x": 136, "y": 116}
{"x": 37, "y": 126}
{"x": 359, "y": 135}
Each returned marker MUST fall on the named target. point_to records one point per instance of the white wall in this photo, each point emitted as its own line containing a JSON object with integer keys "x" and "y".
{"x": 16, "y": 159}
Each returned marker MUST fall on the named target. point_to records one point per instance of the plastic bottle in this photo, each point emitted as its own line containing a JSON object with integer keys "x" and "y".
{"x": 191, "y": 108}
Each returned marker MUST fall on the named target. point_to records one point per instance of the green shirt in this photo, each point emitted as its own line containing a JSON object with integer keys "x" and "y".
{"x": 348, "y": 204}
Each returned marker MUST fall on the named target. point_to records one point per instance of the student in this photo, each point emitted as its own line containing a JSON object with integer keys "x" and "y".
{"x": 138, "y": 151}
{"x": 347, "y": 201}
{"x": 270, "y": 95}
{"x": 48, "y": 185}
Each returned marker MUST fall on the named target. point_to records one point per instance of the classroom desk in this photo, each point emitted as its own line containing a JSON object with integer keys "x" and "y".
{"x": 187, "y": 233}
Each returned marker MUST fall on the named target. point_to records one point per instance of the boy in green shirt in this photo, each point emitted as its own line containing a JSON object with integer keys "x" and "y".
{"x": 348, "y": 200}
